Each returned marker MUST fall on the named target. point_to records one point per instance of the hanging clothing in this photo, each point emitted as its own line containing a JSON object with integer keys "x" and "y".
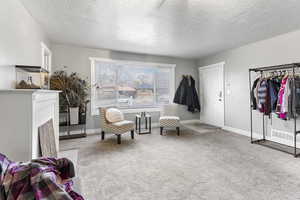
{"x": 274, "y": 87}
{"x": 291, "y": 113}
{"x": 186, "y": 94}
{"x": 285, "y": 98}
{"x": 181, "y": 92}
{"x": 256, "y": 94}
{"x": 192, "y": 96}
{"x": 297, "y": 96}
{"x": 262, "y": 92}
{"x": 294, "y": 99}
{"x": 264, "y": 97}
{"x": 278, "y": 94}
{"x": 273, "y": 95}
{"x": 253, "y": 95}
{"x": 280, "y": 101}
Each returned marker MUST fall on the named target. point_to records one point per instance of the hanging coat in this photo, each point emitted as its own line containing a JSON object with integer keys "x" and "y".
{"x": 181, "y": 92}
{"x": 186, "y": 94}
{"x": 192, "y": 96}
{"x": 253, "y": 98}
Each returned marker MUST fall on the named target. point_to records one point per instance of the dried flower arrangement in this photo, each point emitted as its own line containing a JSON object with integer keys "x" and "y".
{"x": 74, "y": 89}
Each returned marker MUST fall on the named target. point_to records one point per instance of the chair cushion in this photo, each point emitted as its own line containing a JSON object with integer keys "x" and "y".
{"x": 169, "y": 121}
{"x": 122, "y": 127}
{"x": 169, "y": 118}
{"x": 113, "y": 115}
{"x": 123, "y": 123}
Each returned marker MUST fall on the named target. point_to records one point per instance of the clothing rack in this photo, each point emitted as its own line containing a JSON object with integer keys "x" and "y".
{"x": 264, "y": 141}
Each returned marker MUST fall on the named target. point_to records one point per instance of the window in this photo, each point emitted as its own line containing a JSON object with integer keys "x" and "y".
{"x": 46, "y": 57}
{"x": 130, "y": 85}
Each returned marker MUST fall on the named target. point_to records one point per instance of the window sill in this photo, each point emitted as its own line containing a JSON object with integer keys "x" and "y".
{"x": 139, "y": 110}
{"x": 133, "y": 110}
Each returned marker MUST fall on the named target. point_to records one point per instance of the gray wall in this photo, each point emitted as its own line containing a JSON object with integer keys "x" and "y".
{"x": 278, "y": 50}
{"x": 20, "y": 40}
{"x": 77, "y": 60}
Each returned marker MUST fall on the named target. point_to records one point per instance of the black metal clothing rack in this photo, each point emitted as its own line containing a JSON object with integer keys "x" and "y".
{"x": 264, "y": 141}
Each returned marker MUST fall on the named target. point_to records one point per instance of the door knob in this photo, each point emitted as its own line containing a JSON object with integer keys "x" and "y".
{"x": 220, "y": 94}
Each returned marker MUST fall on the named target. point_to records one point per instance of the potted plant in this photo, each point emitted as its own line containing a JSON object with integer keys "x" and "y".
{"x": 73, "y": 96}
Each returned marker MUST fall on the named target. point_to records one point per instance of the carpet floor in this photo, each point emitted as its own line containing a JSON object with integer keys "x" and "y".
{"x": 202, "y": 163}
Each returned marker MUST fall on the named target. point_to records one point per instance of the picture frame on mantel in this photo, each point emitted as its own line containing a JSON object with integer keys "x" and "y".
{"x": 47, "y": 140}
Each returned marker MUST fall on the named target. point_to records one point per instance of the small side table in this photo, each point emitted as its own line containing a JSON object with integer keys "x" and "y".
{"x": 138, "y": 119}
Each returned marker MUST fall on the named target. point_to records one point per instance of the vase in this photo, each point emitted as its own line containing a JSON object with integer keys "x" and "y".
{"x": 74, "y": 115}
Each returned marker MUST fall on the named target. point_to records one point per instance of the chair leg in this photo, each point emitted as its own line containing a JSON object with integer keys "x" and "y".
{"x": 146, "y": 123}
{"x": 136, "y": 123}
{"x": 119, "y": 138}
{"x": 102, "y": 135}
{"x": 161, "y": 130}
{"x": 140, "y": 125}
{"x": 178, "y": 130}
{"x": 132, "y": 134}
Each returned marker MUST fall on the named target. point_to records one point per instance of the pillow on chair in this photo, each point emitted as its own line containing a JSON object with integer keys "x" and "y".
{"x": 113, "y": 115}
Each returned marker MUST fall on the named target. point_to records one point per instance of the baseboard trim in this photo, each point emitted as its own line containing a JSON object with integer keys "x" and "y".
{"x": 183, "y": 122}
{"x": 93, "y": 131}
{"x": 240, "y": 131}
{"x": 154, "y": 125}
{"x": 190, "y": 121}
{"x": 236, "y": 130}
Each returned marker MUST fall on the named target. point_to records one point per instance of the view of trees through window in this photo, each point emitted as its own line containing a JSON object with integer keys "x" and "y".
{"x": 131, "y": 85}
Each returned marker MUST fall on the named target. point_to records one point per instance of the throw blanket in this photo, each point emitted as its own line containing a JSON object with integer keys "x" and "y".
{"x": 40, "y": 179}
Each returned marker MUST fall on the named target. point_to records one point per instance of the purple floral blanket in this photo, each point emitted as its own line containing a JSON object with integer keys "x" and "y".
{"x": 45, "y": 178}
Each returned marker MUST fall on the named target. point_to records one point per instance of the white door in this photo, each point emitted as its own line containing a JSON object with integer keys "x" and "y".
{"x": 211, "y": 86}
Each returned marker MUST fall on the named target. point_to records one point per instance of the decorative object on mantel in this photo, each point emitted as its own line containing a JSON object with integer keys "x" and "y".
{"x": 47, "y": 139}
{"x": 31, "y": 77}
{"x": 73, "y": 101}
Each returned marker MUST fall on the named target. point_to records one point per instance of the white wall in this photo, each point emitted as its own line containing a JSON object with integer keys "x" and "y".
{"x": 20, "y": 38}
{"x": 277, "y": 50}
{"x": 7, "y": 77}
{"x": 77, "y": 60}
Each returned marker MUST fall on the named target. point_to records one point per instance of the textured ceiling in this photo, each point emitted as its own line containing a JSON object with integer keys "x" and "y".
{"x": 181, "y": 28}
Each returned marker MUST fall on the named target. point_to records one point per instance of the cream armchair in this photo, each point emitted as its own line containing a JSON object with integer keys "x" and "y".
{"x": 117, "y": 128}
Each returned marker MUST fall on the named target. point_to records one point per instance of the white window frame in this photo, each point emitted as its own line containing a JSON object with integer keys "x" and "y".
{"x": 46, "y": 51}
{"x": 93, "y": 60}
